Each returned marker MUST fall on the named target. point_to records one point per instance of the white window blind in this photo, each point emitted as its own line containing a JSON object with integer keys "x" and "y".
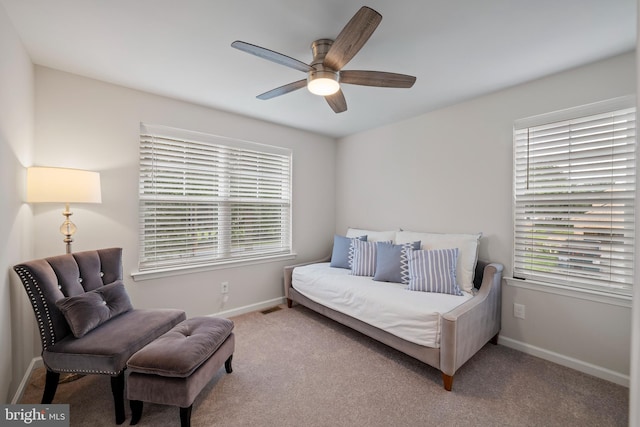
{"x": 206, "y": 199}
{"x": 575, "y": 197}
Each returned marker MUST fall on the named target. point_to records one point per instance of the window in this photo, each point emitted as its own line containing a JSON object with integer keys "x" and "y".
{"x": 206, "y": 199}
{"x": 574, "y": 183}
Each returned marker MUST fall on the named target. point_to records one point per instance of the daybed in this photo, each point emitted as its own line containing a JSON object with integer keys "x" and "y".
{"x": 443, "y": 330}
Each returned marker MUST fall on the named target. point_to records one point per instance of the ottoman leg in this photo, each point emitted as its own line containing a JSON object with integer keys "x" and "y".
{"x": 185, "y": 416}
{"x": 136, "y": 411}
{"x": 227, "y": 365}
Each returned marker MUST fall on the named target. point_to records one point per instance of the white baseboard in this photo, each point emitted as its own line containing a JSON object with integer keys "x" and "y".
{"x": 249, "y": 308}
{"x": 35, "y": 363}
{"x": 569, "y": 362}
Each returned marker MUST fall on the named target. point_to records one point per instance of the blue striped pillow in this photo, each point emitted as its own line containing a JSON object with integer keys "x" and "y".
{"x": 433, "y": 271}
{"x": 364, "y": 258}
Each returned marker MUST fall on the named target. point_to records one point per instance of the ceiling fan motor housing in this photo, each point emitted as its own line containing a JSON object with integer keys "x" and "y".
{"x": 319, "y": 49}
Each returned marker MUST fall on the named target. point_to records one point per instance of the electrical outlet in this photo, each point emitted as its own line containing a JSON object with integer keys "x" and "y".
{"x": 224, "y": 287}
{"x": 518, "y": 311}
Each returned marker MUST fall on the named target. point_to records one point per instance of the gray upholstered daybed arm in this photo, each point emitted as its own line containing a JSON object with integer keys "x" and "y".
{"x": 288, "y": 274}
{"x": 468, "y": 327}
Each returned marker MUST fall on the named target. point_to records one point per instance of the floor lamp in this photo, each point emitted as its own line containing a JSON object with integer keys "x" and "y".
{"x": 60, "y": 185}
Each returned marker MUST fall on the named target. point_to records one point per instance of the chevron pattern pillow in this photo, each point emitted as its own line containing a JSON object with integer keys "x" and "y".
{"x": 433, "y": 271}
{"x": 392, "y": 263}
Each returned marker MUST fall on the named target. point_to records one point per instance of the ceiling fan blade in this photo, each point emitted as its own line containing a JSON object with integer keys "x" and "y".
{"x": 376, "y": 78}
{"x": 271, "y": 55}
{"x": 283, "y": 89}
{"x": 337, "y": 102}
{"x": 352, "y": 37}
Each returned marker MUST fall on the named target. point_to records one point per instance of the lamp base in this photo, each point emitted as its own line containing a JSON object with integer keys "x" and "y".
{"x": 68, "y": 228}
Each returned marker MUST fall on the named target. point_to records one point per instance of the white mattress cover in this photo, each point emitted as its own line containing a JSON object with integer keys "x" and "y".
{"x": 413, "y": 316}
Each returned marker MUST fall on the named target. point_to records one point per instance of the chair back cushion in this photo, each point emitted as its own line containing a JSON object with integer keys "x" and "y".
{"x": 51, "y": 279}
{"x": 91, "y": 309}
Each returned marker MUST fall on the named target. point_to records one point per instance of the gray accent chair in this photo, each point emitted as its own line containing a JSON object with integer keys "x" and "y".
{"x": 116, "y": 330}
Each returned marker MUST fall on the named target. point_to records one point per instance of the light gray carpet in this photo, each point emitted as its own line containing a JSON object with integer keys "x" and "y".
{"x": 293, "y": 367}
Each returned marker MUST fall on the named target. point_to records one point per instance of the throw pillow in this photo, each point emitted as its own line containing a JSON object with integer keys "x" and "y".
{"x": 392, "y": 264}
{"x": 364, "y": 258}
{"x": 342, "y": 254}
{"x": 433, "y": 271}
{"x": 467, "y": 245}
{"x": 89, "y": 310}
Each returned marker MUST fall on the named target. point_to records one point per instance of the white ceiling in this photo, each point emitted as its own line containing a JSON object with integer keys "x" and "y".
{"x": 457, "y": 49}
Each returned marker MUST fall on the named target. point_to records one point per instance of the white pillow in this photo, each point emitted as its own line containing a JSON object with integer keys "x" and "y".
{"x": 467, "y": 245}
{"x": 373, "y": 236}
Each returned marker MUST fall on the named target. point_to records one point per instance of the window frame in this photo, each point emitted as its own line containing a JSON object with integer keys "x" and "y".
{"x": 520, "y": 272}
{"x": 225, "y": 181}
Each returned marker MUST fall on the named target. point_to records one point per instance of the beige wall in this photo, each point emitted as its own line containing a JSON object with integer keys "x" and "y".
{"x": 451, "y": 171}
{"x": 84, "y": 123}
{"x": 17, "y": 336}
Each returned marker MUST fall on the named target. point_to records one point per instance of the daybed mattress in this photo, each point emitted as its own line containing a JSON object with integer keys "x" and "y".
{"x": 410, "y": 315}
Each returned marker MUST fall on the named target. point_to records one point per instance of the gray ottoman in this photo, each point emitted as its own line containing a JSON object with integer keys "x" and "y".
{"x": 173, "y": 369}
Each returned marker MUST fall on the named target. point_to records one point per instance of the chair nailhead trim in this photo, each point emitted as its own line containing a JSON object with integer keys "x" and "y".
{"x": 87, "y": 371}
{"x": 30, "y": 283}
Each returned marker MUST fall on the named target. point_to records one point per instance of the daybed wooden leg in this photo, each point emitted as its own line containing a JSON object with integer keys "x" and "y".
{"x": 447, "y": 381}
{"x": 289, "y": 303}
{"x": 494, "y": 340}
{"x": 227, "y": 365}
{"x": 136, "y": 411}
{"x": 117, "y": 389}
{"x": 185, "y": 416}
{"x": 50, "y": 387}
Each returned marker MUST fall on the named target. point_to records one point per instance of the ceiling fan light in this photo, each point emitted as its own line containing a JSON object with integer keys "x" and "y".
{"x": 323, "y": 83}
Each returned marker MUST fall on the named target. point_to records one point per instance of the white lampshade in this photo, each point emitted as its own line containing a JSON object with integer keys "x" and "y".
{"x": 61, "y": 185}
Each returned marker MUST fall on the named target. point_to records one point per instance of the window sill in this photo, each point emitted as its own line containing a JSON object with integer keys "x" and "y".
{"x": 568, "y": 291}
{"x": 178, "y": 271}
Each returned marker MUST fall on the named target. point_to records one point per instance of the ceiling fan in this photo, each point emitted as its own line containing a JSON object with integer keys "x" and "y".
{"x": 325, "y": 73}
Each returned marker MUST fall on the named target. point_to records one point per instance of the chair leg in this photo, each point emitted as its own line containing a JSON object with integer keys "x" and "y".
{"x": 227, "y": 365}
{"x": 117, "y": 389}
{"x": 185, "y": 416}
{"x": 136, "y": 411}
{"x": 50, "y": 387}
